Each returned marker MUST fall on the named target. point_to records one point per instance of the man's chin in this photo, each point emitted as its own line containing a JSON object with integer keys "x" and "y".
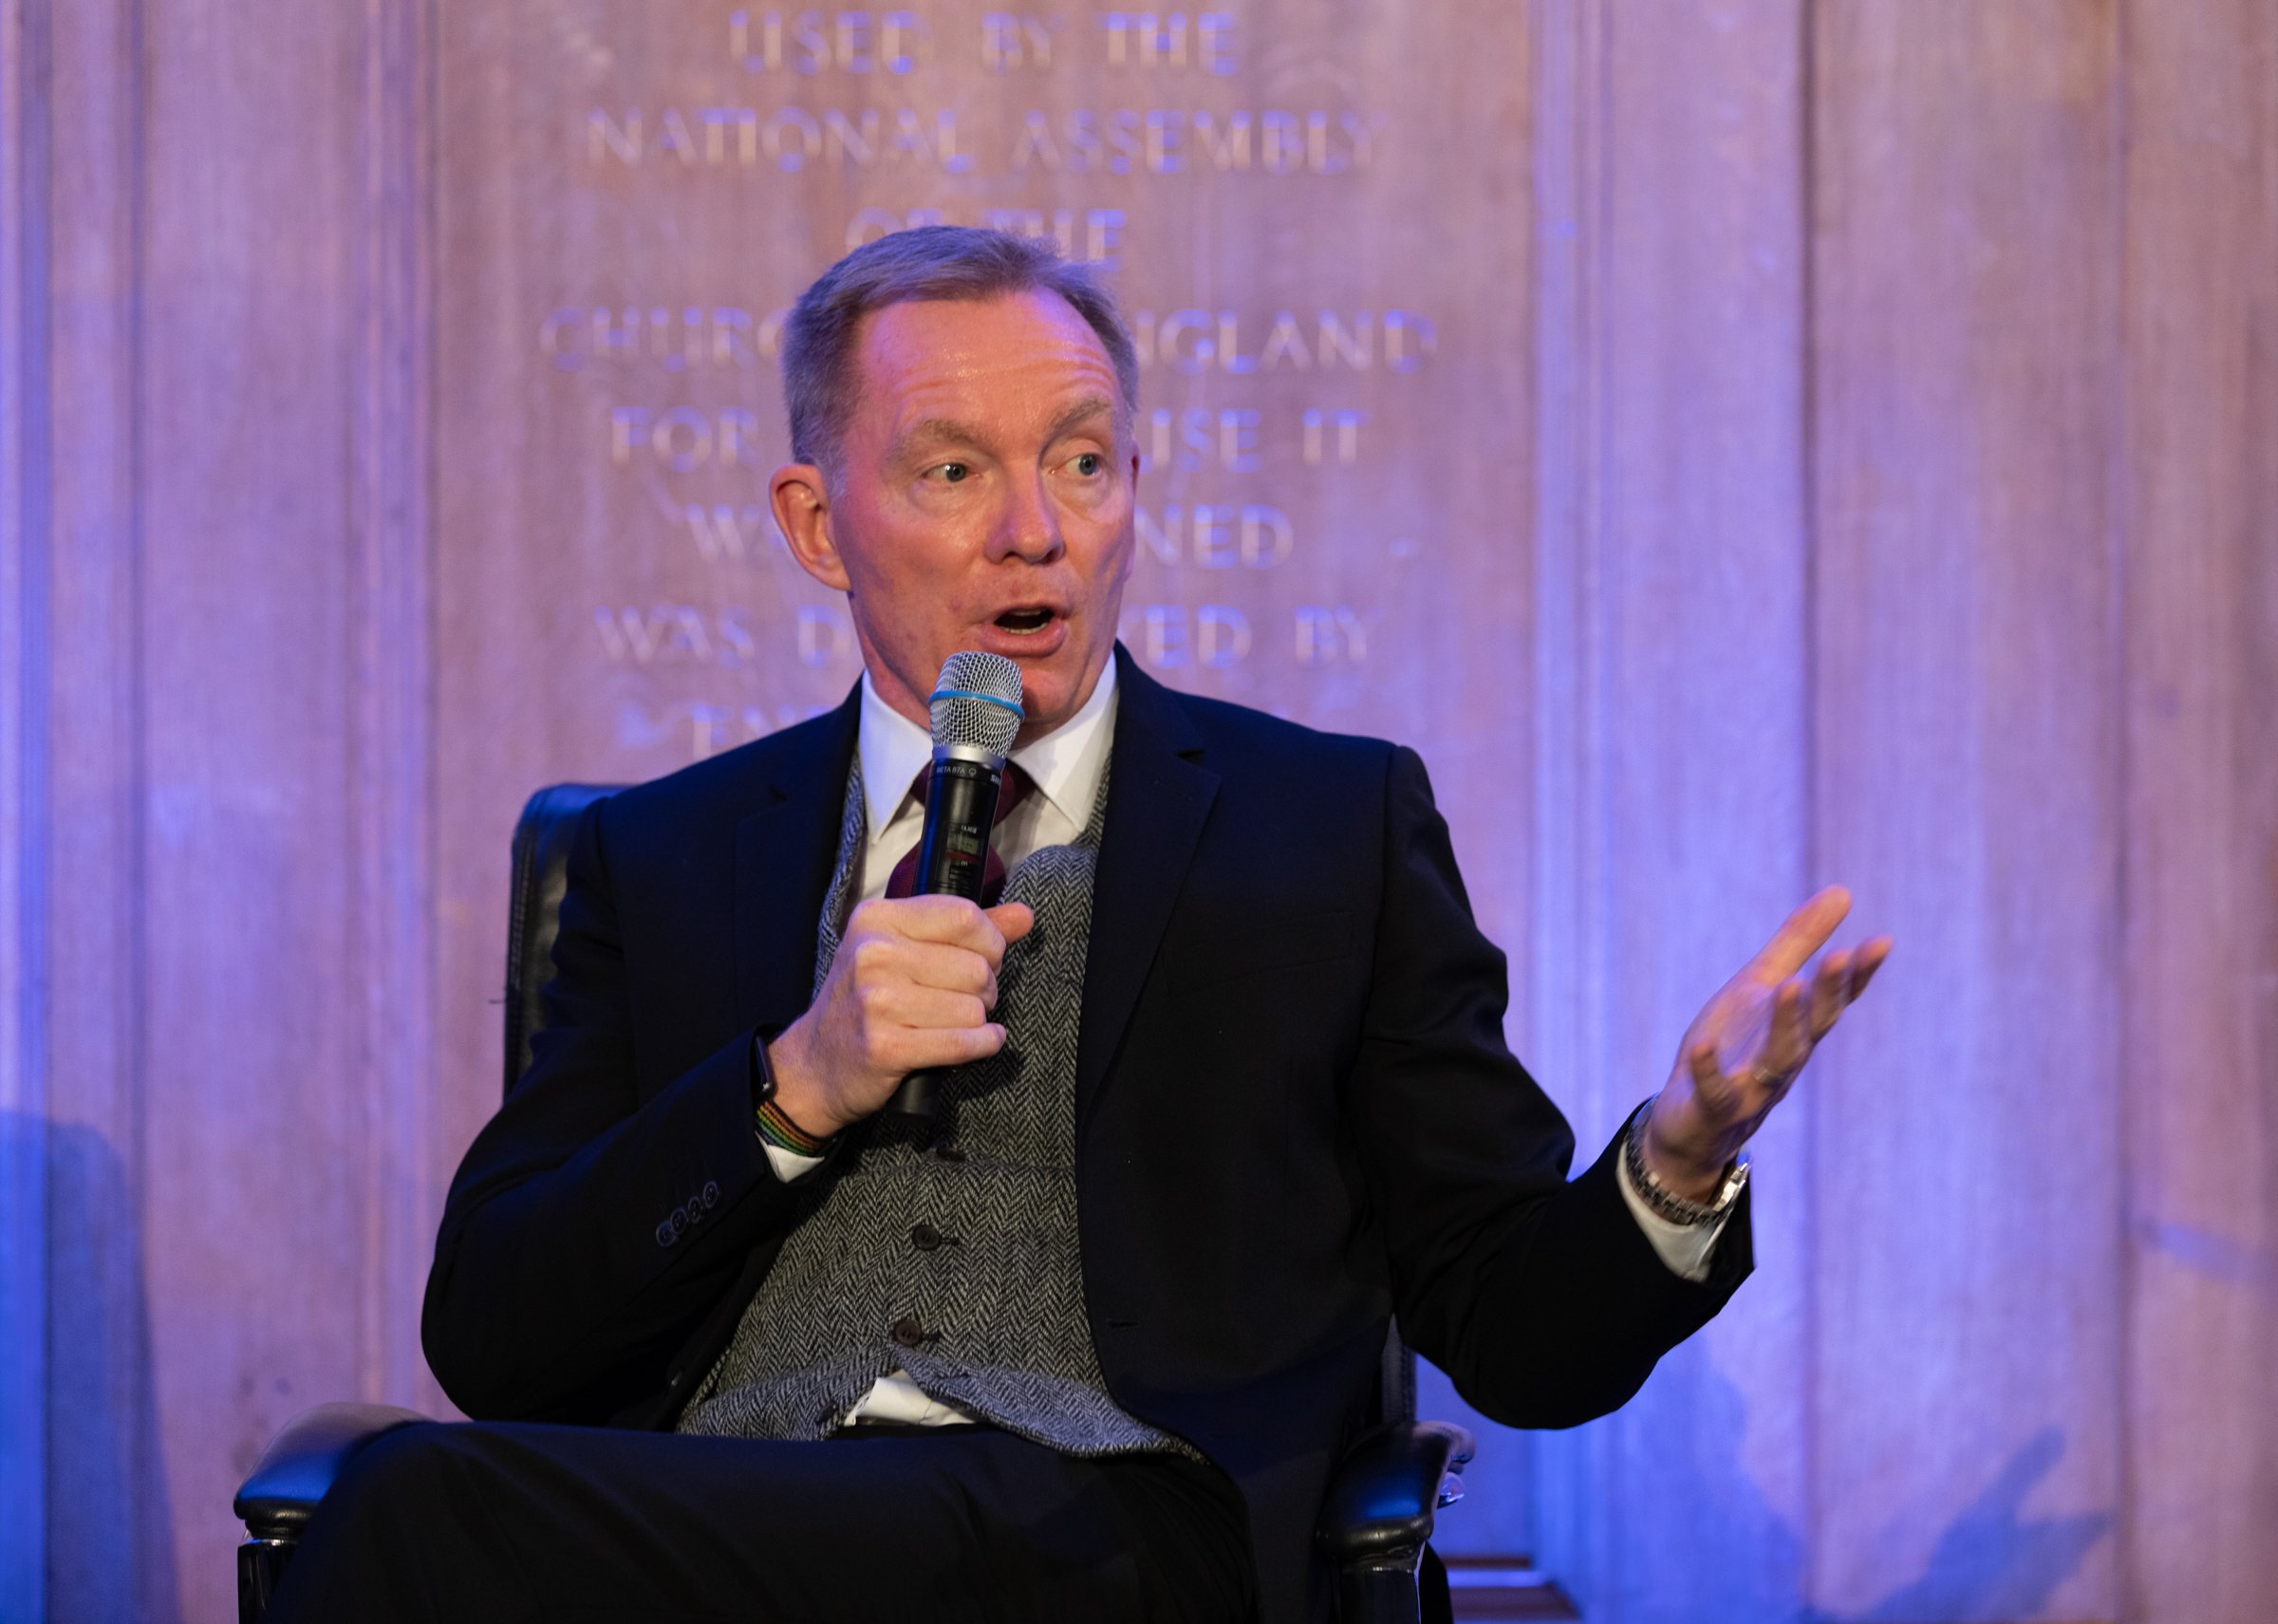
{"x": 1046, "y": 709}
{"x": 1051, "y": 690}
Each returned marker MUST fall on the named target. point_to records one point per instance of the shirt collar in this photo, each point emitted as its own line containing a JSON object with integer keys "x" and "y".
{"x": 1066, "y": 764}
{"x": 893, "y": 750}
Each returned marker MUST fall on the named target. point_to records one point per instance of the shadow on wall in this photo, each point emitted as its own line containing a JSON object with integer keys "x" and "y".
{"x": 1991, "y": 1562}
{"x": 1721, "y": 1553}
{"x": 109, "y": 1535}
{"x": 1729, "y": 1558}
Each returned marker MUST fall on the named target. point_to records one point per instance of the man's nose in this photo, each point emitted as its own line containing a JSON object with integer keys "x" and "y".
{"x": 1028, "y": 526}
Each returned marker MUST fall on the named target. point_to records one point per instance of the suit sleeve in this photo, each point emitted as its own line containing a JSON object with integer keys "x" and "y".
{"x": 590, "y": 1231}
{"x": 1541, "y": 1297}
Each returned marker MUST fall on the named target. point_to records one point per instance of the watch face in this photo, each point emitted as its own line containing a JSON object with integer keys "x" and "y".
{"x": 1736, "y": 1181}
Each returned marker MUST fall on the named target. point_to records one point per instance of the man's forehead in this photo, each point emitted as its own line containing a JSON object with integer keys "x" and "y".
{"x": 1032, "y": 340}
{"x": 917, "y": 424}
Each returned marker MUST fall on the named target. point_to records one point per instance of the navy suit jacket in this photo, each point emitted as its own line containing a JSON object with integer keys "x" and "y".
{"x": 1295, "y": 1115}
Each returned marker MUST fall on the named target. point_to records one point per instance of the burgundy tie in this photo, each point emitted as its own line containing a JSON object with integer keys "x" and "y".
{"x": 1010, "y": 794}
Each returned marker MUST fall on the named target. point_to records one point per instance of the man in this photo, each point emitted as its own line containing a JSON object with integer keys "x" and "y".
{"x": 1230, "y": 1090}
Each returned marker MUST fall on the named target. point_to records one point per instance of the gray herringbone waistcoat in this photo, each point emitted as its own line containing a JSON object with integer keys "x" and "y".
{"x": 959, "y": 1267}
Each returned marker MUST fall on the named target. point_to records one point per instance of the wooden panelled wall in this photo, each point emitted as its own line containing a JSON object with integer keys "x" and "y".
{"x": 1898, "y": 504}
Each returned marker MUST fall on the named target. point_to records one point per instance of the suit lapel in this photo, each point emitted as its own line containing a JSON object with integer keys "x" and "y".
{"x": 1157, "y": 804}
{"x": 1159, "y": 797}
{"x": 784, "y": 855}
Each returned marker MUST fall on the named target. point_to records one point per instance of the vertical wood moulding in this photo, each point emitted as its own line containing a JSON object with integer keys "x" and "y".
{"x": 257, "y": 1098}
{"x": 1672, "y": 516}
{"x": 1966, "y": 738}
{"x": 391, "y": 529}
{"x": 1816, "y": 858}
{"x": 106, "y": 1546}
{"x": 24, "y": 564}
{"x": 1568, "y": 989}
{"x": 2200, "y": 886}
{"x": 2113, "y": 935}
{"x": 1703, "y": 791}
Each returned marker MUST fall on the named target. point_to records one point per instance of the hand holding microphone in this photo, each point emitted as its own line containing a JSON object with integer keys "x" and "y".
{"x": 910, "y": 990}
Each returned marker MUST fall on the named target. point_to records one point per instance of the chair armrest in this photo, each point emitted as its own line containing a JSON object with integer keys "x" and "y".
{"x": 303, "y": 1459}
{"x": 1383, "y": 1493}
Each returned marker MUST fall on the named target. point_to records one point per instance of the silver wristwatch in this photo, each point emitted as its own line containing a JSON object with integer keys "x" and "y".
{"x": 1664, "y": 1201}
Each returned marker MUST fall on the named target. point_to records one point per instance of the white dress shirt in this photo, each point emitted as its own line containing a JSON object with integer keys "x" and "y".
{"x": 1065, "y": 766}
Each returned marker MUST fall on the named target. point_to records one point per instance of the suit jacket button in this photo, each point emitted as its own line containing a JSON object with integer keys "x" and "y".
{"x": 665, "y": 1235}
{"x": 908, "y": 1331}
{"x": 925, "y": 1237}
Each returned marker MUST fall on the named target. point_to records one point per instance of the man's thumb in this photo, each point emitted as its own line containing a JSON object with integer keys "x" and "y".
{"x": 1013, "y": 920}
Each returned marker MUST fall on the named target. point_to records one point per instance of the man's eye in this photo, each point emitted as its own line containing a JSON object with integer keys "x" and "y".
{"x": 954, "y": 472}
{"x": 1090, "y": 463}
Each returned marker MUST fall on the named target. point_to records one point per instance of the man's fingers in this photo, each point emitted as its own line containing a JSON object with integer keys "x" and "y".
{"x": 1868, "y": 960}
{"x": 1788, "y": 1044}
{"x": 932, "y": 919}
{"x": 951, "y": 968}
{"x": 919, "y": 918}
{"x": 1845, "y": 976}
{"x": 1830, "y": 992}
{"x": 1013, "y": 921}
{"x": 974, "y": 1043}
{"x": 952, "y": 921}
{"x": 923, "y": 1009}
{"x": 1803, "y": 933}
{"x": 939, "y": 1048}
{"x": 1709, "y": 1084}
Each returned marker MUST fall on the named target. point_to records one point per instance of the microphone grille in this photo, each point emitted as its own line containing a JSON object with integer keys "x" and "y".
{"x": 978, "y": 702}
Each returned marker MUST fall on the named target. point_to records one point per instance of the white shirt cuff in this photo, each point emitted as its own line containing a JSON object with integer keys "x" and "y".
{"x": 1685, "y": 1248}
{"x": 789, "y": 1164}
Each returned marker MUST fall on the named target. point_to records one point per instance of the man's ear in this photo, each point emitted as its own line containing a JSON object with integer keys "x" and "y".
{"x": 801, "y": 499}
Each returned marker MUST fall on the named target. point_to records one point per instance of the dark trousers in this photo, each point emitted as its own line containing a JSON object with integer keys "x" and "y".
{"x": 503, "y": 1521}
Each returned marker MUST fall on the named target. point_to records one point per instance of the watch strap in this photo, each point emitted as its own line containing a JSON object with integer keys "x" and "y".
{"x": 1665, "y": 1201}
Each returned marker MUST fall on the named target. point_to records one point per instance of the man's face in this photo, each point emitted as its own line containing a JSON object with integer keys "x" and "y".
{"x": 983, "y": 499}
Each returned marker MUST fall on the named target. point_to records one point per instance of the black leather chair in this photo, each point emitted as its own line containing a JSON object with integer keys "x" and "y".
{"x": 1376, "y": 1520}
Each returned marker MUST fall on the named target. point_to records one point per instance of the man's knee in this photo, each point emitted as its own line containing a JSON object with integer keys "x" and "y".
{"x": 394, "y": 1519}
{"x": 402, "y": 1477}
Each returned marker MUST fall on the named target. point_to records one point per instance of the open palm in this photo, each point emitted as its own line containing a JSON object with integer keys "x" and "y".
{"x": 1743, "y": 1052}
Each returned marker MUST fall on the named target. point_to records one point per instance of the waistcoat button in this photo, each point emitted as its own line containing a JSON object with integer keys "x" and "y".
{"x": 925, "y": 1237}
{"x": 908, "y": 1331}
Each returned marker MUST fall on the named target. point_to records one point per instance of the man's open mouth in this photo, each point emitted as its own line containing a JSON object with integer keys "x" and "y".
{"x": 1024, "y": 620}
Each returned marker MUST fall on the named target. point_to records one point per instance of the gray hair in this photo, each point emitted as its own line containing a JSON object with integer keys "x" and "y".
{"x": 928, "y": 262}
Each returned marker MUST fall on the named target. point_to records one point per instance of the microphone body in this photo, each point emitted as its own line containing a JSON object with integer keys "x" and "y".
{"x": 960, "y": 809}
{"x": 976, "y": 711}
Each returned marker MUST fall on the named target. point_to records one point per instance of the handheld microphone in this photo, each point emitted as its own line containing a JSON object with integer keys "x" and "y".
{"x": 977, "y": 716}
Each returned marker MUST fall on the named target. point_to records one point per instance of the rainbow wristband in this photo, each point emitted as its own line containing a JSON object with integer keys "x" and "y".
{"x": 785, "y": 1134}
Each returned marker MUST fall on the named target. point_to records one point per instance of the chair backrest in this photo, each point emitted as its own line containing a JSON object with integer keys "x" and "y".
{"x": 541, "y": 865}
